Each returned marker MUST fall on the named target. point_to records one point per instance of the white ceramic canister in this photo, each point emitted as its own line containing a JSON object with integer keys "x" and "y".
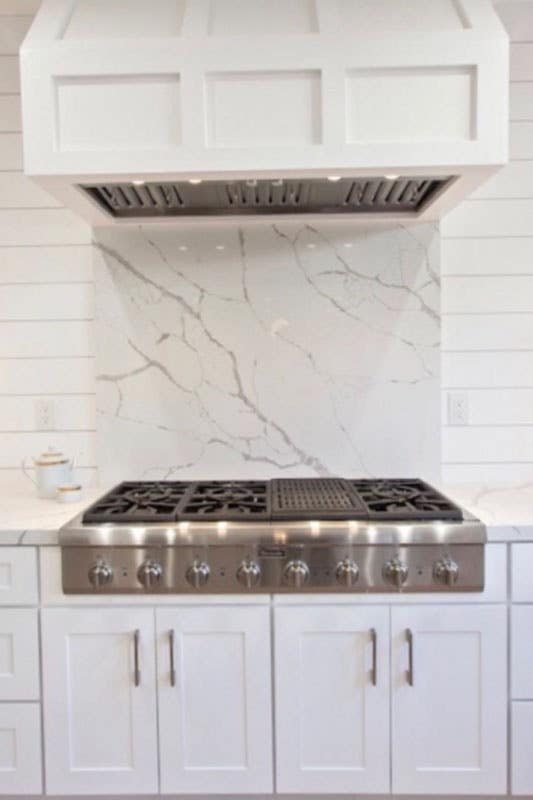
{"x": 52, "y": 469}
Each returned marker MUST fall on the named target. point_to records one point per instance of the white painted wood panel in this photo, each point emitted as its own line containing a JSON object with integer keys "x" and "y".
{"x": 76, "y": 413}
{"x": 100, "y": 727}
{"x": 487, "y": 370}
{"x": 449, "y": 724}
{"x": 20, "y": 749}
{"x": 19, "y": 655}
{"x": 487, "y": 332}
{"x": 513, "y": 181}
{"x": 13, "y": 29}
{"x": 42, "y": 264}
{"x": 522, "y": 763}
{"x": 51, "y": 338}
{"x": 9, "y": 75}
{"x": 18, "y": 576}
{"x": 517, "y": 18}
{"x": 493, "y": 474}
{"x": 475, "y": 218}
{"x": 47, "y": 376}
{"x": 521, "y": 571}
{"x": 10, "y": 7}
{"x": 499, "y": 407}
{"x": 521, "y": 652}
{"x": 24, "y": 445}
{"x": 46, "y": 255}
{"x": 521, "y": 101}
{"x": 10, "y": 150}
{"x": 331, "y": 721}
{"x": 74, "y": 301}
{"x": 486, "y": 256}
{"x": 56, "y": 226}
{"x": 521, "y": 140}
{"x": 10, "y": 113}
{"x": 491, "y": 443}
{"x": 215, "y": 723}
{"x": 12, "y": 480}
{"x": 522, "y": 62}
{"x": 503, "y": 294}
{"x": 17, "y": 191}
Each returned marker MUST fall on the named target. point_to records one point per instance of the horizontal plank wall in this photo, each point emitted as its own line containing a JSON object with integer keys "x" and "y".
{"x": 487, "y": 297}
{"x": 46, "y": 296}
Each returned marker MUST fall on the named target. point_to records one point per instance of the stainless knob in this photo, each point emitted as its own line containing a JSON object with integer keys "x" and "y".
{"x": 395, "y": 571}
{"x": 296, "y": 574}
{"x": 347, "y": 572}
{"x": 100, "y": 574}
{"x": 446, "y": 571}
{"x": 249, "y": 574}
{"x": 198, "y": 574}
{"x": 149, "y": 573}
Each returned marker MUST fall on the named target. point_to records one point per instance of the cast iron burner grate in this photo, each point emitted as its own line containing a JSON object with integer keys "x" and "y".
{"x": 315, "y": 499}
{"x": 398, "y": 499}
{"x": 139, "y": 501}
{"x": 227, "y": 500}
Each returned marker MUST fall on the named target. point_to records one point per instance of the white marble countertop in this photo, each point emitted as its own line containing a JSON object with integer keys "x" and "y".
{"x": 506, "y": 511}
{"x": 27, "y": 519}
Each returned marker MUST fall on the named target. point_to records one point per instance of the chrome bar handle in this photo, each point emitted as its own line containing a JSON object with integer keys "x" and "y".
{"x": 374, "y": 670}
{"x": 410, "y": 672}
{"x": 171, "y": 654}
{"x": 136, "y": 670}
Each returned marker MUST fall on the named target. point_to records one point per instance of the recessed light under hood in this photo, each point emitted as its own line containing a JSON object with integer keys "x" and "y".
{"x": 173, "y": 109}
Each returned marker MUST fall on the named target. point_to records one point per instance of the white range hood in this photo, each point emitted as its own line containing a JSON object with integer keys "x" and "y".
{"x": 179, "y": 109}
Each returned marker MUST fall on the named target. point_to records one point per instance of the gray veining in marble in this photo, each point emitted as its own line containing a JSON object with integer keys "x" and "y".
{"x": 260, "y": 349}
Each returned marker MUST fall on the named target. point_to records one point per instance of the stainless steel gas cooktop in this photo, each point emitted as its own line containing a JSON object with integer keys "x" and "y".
{"x": 283, "y": 535}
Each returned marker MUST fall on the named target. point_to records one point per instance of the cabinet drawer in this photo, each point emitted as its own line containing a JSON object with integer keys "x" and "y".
{"x": 18, "y": 576}
{"x": 521, "y": 571}
{"x": 521, "y": 761}
{"x": 19, "y": 654}
{"x": 20, "y": 749}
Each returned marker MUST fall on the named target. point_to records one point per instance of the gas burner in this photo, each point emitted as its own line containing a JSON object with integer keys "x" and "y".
{"x": 227, "y": 501}
{"x": 398, "y": 499}
{"x": 139, "y": 501}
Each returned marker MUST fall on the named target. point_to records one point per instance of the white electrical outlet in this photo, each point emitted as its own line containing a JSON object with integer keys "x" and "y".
{"x": 44, "y": 414}
{"x": 457, "y": 408}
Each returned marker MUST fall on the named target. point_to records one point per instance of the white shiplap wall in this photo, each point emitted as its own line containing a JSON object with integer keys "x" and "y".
{"x": 487, "y": 297}
{"x": 46, "y": 294}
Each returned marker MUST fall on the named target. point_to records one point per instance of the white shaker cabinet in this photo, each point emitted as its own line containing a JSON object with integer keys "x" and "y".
{"x": 332, "y": 699}
{"x": 215, "y": 716}
{"x": 19, "y": 654}
{"x": 99, "y": 695}
{"x": 449, "y": 700}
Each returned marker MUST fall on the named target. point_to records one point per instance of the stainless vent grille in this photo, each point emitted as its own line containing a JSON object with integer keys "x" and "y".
{"x": 305, "y": 196}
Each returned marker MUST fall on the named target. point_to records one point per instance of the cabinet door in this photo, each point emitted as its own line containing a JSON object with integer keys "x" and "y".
{"x": 99, "y": 710}
{"x": 332, "y": 699}
{"x": 20, "y": 748}
{"x": 19, "y": 654}
{"x": 522, "y": 761}
{"x": 215, "y": 718}
{"x": 449, "y": 717}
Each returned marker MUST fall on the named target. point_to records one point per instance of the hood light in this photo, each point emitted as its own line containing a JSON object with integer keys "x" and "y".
{"x": 138, "y": 183}
{"x": 195, "y": 181}
{"x": 334, "y": 178}
{"x": 392, "y": 177}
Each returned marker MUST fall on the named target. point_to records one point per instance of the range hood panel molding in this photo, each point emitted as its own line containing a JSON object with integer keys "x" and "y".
{"x": 118, "y": 91}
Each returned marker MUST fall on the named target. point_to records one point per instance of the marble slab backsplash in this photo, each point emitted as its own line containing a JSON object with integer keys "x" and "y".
{"x": 261, "y": 349}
